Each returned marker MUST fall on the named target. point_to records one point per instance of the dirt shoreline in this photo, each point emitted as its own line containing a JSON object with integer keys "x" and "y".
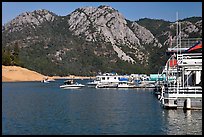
{"x": 19, "y": 74}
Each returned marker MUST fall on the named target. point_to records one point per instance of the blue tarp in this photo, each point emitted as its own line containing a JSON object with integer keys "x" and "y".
{"x": 123, "y": 79}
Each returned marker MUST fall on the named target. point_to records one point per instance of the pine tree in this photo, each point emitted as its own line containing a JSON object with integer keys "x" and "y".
{"x": 6, "y": 57}
{"x": 16, "y": 54}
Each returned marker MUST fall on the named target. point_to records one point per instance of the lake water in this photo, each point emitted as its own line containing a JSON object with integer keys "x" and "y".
{"x": 34, "y": 108}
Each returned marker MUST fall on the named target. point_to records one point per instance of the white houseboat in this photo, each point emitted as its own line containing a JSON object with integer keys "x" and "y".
{"x": 112, "y": 80}
{"x": 185, "y": 91}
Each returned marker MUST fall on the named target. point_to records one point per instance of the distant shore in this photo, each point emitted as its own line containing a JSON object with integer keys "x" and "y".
{"x": 19, "y": 74}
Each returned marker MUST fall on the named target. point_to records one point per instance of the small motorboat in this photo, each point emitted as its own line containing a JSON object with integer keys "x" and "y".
{"x": 50, "y": 80}
{"x": 46, "y": 80}
{"x": 69, "y": 84}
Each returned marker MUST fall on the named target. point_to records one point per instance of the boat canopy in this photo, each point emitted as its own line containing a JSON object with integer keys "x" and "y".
{"x": 68, "y": 82}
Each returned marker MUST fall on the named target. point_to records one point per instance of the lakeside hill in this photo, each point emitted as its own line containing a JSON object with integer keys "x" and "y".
{"x": 15, "y": 73}
{"x": 90, "y": 40}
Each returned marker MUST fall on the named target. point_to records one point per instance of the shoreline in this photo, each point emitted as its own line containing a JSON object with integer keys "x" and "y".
{"x": 19, "y": 74}
{"x": 55, "y": 78}
{"x": 58, "y": 78}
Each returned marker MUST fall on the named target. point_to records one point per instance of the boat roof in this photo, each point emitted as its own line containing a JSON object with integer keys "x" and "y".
{"x": 186, "y": 47}
{"x": 195, "y": 48}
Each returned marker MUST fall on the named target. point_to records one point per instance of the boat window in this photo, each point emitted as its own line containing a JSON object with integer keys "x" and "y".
{"x": 166, "y": 101}
{"x": 97, "y": 78}
{"x": 175, "y": 102}
{"x": 107, "y": 77}
{"x": 114, "y": 77}
{"x": 103, "y": 78}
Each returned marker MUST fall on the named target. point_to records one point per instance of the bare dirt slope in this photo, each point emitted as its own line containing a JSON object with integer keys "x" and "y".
{"x": 14, "y": 73}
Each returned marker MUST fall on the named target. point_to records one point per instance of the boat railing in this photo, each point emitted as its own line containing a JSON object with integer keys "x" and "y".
{"x": 189, "y": 59}
{"x": 184, "y": 90}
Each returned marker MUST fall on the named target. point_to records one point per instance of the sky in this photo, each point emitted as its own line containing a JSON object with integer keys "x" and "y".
{"x": 130, "y": 10}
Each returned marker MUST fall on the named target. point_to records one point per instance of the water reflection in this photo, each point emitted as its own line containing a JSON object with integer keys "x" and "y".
{"x": 183, "y": 122}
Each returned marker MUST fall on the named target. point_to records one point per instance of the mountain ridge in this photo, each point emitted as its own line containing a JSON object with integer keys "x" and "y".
{"x": 99, "y": 36}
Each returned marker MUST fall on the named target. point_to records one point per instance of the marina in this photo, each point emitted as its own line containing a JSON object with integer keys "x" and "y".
{"x": 102, "y": 68}
{"x": 110, "y": 104}
{"x": 179, "y": 84}
{"x": 113, "y": 80}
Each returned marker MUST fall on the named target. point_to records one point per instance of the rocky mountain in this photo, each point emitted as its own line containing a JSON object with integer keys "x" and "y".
{"x": 108, "y": 25}
{"x": 89, "y": 40}
{"x": 190, "y": 28}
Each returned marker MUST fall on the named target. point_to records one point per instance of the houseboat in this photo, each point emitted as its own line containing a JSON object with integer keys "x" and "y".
{"x": 185, "y": 90}
{"x": 108, "y": 80}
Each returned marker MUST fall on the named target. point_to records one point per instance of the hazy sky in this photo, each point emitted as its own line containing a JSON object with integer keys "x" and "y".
{"x": 130, "y": 10}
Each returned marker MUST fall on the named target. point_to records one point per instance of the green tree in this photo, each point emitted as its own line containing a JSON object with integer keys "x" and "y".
{"x": 6, "y": 57}
{"x": 16, "y": 60}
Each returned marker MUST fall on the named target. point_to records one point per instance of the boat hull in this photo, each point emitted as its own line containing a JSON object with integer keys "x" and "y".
{"x": 91, "y": 84}
{"x": 126, "y": 86}
{"x": 106, "y": 86}
{"x": 71, "y": 86}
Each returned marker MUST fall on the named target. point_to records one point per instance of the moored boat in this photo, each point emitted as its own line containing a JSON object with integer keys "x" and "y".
{"x": 46, "y": 80}
{"x": 111, "y": 80}
{"x": 106, "y": 78}
{"x": 185, "y": 90}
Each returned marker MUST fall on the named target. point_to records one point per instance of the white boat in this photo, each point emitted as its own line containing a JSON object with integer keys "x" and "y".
{"x": 104, "y": 79}
{"x": 69, "y": 84}
{"x": 46, "y": 80}
{"x": 185, "y": 91}
{"x": 50, "y": 80}
{"x": 107, "y": 80}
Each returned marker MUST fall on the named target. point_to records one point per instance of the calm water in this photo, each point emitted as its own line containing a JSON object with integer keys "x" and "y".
{"x": 45, "y": 109}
